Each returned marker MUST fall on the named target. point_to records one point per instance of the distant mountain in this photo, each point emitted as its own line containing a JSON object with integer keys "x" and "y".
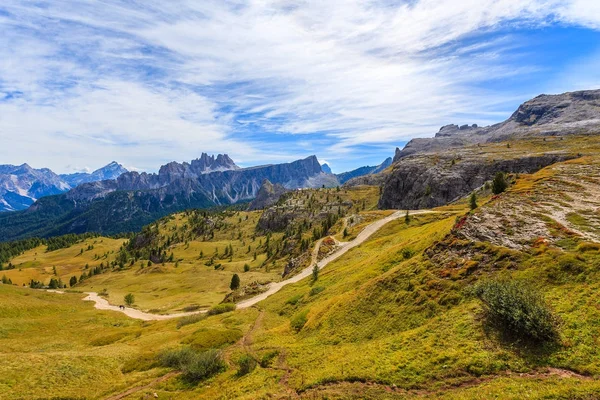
{"x": 135, "y": 199}
{"x": 346, "y": 176}
{"x": 21, "y": 186}
{"x": 545, "y": 115}
{"x": 110, "y": 171}
{"x": 326, "y": 169}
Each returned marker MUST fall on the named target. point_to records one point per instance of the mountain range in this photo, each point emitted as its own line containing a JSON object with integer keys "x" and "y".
{"x": 135, "y": 199}
{"x": 425, "y": 173}
{"x": 21, "y": 186}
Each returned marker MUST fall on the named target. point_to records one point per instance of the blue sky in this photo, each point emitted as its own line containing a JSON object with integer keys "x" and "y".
{"x": 268, "y": 81}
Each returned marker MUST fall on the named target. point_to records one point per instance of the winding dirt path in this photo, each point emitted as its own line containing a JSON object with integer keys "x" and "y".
{"x": 306, "y": 272}
{"x": 103, "y": 304}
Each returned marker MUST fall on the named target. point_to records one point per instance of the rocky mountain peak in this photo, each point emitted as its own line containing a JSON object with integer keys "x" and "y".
{"x": 574, "y": 113}
{"x": 206, "y": 164}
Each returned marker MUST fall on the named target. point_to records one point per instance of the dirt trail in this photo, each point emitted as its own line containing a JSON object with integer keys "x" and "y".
{"x": 103, "y": 304}
{"x": 306, "y": 272}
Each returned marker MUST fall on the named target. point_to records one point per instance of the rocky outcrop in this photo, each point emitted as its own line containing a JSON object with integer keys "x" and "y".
{"x": 545, "y": 115}
{"x": 267, "y": 195}
{"x": 429, "y": 181}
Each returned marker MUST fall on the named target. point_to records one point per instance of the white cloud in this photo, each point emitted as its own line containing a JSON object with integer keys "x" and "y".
{"x": 159, "y": 80}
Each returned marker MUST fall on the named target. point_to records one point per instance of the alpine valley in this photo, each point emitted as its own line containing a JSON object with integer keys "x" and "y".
{"x": 466, "y": 267}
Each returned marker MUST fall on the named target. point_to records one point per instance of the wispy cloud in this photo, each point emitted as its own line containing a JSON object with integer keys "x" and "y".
{"x": 82, "y": 83}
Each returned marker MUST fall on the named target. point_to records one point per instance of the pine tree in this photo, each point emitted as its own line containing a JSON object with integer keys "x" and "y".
{"x": 499, "y": 183}
{"x": 235, "y": 282}
{"x": 129, "y": 299}
{"x": 73, "y": 281}
{"x": 473, "y": 201}
{"x": 407, "y": 218}
{"x": 315, "y": 273}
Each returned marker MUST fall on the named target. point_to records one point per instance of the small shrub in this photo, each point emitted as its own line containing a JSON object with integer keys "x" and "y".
{"x": 588, "y": 246}
{"x": 190, "y": 319}
{"x": 299, "y": 320}
{"x": 267, "y": 359}
{"x": 407, "y": 253}
{"x": 194, "y": 365}
{"x": 221, "y": 308}
{"x": 316, "y": 290}
{"x": 294, "y": 300}
{"x": 246, "y": 268}
{"x": 518, "y": 311}
{"x": 190, "y": 308}
{"x": 246, "y": 364}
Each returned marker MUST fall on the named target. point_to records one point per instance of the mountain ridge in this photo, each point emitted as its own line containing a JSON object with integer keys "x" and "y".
{"x": 135, "y": 199}
{"x": 545, "y": 115}
{"x": 21, "y": 185}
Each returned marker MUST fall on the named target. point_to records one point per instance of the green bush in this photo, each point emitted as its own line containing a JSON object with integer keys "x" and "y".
{"x": 294, "y": 300}
{"x": 407, "y": 253}
{"x": 316, "y": 290}
{"x": 194, "y": 365}
{"x": 190, "y": 319}
{"x": 299, "y": 320}
{"x": 518, "y": 311}
{"x": 246, "y": 364}
{"x": 221, "y": 308}
{"x": 268, "y": 358}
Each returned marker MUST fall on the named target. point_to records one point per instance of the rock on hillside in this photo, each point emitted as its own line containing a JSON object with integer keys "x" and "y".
{"x": 545, "y": 115}
{"x": 426, "y": 181}
{"x": 267, "y": 195}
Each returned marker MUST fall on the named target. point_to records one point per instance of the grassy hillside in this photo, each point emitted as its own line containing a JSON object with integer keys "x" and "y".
{"x": 187, "y": 260}
{"x": 400, "y": 316}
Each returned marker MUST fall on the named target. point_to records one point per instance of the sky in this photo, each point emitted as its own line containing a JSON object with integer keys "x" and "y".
{"x": 145, "y": 82}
